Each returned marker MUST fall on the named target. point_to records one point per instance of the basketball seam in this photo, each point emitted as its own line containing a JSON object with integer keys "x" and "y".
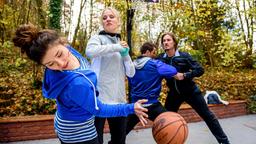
{"x": 167, "y": 125}
{"x": 175, "y": 134}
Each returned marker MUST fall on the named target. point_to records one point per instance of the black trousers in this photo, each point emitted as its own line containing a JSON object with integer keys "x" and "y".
{"x": 117, "y": 127}
{"x": 153, "y": 111}
{"x": 196, "y": 100}
{"x": 94, "y": 141}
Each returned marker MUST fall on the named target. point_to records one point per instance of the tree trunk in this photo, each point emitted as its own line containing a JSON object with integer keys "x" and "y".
{"x": 91, "y": 17}
{"x": 41, "y": 14}
{"x": 78, "y": 22}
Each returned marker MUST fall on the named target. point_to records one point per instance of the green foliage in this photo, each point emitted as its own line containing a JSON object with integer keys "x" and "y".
{"x": 6, "y": 46}
{"x": 8, "y": 17}
{"x": 233, "y": 84}
{"x": 17, "y": 85}
{"x": 20, "y": 62}
{"x": 198, "y": 55}
{"x": 252, "y": 104}
{"x": 55, "y": 14}
{"x": 254, "y": 60}
{"x": 20, "y": 94}
{"x": 5, "y": 51}
{"x": 230, "y": 84}
{"x": 214, "y": 36}
{"x": 230, "y": 51}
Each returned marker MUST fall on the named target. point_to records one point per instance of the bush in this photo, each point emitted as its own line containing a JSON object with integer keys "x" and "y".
{"x": 20, "y": 87}
{"x": 231, "y": 85}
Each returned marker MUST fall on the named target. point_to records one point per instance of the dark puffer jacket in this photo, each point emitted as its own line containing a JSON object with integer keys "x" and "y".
{"x": 184, "y": 63}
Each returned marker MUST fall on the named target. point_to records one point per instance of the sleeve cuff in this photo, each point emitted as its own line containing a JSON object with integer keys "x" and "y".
{"x": 131, "y": 109}
{"x": 117, "y": 47}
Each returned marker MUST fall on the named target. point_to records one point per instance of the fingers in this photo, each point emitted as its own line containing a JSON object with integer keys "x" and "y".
{"x": 140, "y": 111}
{"x": 179, "y": 76}
{"x": 139, "y": 108}
{"x": 143, "y": 121}
{"x": 143, "y": 109}
{"x": 142, "y": 117}
{"x": 142, "y": 101}
{"x": 124, "y": 44}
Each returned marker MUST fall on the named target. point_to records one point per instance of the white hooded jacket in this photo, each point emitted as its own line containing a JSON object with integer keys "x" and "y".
{"x": 110, "y": 67}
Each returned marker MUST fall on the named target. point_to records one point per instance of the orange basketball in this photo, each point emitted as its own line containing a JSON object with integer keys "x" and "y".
{"x": 170, "y": 128}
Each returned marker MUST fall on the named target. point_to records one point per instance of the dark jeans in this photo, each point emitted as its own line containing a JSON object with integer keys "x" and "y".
{"x": 153, "y": 111}
{"x": 117, "y": 127}
{"x": 197, "y": 102}
{"x": 94, "y": 141}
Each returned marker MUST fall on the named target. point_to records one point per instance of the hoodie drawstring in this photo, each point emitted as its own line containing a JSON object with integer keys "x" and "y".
{"x": 94, "y": 89}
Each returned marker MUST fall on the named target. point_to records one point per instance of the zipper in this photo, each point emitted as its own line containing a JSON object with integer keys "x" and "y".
{"x": 175, "y": 81}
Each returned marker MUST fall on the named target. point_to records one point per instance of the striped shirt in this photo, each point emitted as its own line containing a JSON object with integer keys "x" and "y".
{"x": 75, "y": 131}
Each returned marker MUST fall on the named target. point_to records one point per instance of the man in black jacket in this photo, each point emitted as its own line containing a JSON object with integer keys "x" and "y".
{"x": 182, "y": 88}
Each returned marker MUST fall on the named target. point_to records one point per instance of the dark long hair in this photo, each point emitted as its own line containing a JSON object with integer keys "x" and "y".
{"x": 35, "y": 42}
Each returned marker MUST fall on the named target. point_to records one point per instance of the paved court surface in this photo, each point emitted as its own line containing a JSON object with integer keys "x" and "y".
{"x": 240, "y": 130}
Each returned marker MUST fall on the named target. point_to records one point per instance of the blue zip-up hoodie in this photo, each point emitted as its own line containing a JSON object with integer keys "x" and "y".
{"x": 75, "y": 94}
{"x": 146, "y": 83}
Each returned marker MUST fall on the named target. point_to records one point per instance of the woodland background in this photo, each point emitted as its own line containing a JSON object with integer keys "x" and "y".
{"x": 218, "y": 33}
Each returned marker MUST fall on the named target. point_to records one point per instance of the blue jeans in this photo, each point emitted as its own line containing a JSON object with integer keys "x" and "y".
{"x": 196, "y": 100}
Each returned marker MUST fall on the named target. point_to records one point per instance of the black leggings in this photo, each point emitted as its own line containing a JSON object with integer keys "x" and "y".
{"x": 197, "y": 102}
{"x": 93, "y": 141}
{"x": 117, "y": 126}
{"x": 153, "y": 111}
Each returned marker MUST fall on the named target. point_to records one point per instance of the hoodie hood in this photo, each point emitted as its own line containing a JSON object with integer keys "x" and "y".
{"x": 140, "y": 62}
{"x": 55, "y": 81}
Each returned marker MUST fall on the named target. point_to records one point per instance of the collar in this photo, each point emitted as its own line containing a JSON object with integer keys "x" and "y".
{"x": 176, "y": 54}
{"x": 111, "y": 34}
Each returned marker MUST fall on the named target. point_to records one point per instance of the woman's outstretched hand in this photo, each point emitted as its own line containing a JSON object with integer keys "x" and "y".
{"x": 140, "y": 111}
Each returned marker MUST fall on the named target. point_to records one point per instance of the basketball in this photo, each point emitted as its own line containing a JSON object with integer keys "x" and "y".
{"x": 170, "y": 128}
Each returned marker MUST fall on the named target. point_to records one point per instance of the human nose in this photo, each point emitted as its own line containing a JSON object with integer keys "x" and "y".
{"x": 108, "y": 18}
{"x": 105, "y": 18}
{"x": 60, "y": 62}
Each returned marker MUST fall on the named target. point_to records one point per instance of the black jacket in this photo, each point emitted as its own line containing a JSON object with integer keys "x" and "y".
{"x": 184, "y": 63}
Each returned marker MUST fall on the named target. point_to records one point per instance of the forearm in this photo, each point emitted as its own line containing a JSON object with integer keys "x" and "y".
{"x": 95, "y": 48}
{"x": 129, "y": 66}
{"x": 197, "y": 72}
{"x": 114, "y": 110}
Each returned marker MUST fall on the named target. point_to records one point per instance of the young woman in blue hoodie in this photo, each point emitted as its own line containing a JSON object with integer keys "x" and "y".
{"x": 69, "y": 80}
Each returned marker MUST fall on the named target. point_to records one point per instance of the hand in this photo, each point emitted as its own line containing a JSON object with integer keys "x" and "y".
{"x": 125, "y": 51}
{"x": 179, "y": 76}
{"x": 140, "y": 111}
{"x": 124, "y": 44}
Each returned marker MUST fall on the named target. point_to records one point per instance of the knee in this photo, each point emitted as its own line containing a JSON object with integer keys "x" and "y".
{"x": 208, "y": 115}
